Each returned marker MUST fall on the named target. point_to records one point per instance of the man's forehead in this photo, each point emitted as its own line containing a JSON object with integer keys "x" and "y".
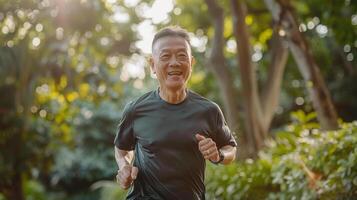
{"x": 171, "y": 42}
{"x": 179, "y": 48}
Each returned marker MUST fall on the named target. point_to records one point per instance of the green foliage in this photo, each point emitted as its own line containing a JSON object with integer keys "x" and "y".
{"x": 34, "y": 190}
{"x": 55, "y": 70}
{"x": 109, "y": 190}
{"x": 94, "y": 129}
{"x": 249, "y": 180}
{"x": 62, "y": 92}
{"x": 301, "y": 163}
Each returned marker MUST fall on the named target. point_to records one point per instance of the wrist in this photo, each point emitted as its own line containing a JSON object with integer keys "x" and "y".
{"x": 123, "y": 164}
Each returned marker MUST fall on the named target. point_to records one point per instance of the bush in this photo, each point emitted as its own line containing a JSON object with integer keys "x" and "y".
{"x": 302, "y": 162}
{"x": 109, "y": 190}
{"x": 34, "y": 190}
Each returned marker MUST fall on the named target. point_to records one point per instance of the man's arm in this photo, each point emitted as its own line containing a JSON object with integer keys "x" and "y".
{"x": 126, "y": 173}
{"x": 209, "y": 150}
{"x": 123, "y": 157}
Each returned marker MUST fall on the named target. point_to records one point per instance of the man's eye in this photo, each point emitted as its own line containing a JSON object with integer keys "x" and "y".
{"x": 182, "y": 56}
{"x": 165, "y": 56}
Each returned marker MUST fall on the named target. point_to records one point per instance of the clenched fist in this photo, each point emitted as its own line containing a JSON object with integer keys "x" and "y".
{"x": 208, "y": 148}
{"x": 126, "y": 175}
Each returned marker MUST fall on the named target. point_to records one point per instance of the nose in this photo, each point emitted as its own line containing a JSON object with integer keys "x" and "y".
{"x": 173, "y": 62}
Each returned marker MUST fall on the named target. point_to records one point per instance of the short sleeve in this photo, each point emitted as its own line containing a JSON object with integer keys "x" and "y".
{"x": 223, "y": 135}
{"x": 125, "y": 139}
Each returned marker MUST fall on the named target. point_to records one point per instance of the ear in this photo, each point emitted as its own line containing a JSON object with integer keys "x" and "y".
{"x": 193, "y": 61}
{"x": 152, "y": 66}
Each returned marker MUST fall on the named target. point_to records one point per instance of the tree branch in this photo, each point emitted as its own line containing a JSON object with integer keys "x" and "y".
{"x": 271, "y": 91}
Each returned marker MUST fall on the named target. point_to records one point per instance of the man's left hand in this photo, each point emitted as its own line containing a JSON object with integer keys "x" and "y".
{"x": 208, "y": 148}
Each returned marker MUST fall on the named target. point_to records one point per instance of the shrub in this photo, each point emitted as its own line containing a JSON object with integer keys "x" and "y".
{"x": 302, "y": 162}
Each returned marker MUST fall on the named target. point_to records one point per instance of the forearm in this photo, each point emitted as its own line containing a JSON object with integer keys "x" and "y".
{"x": 123, "y": 157}
{"x": 229, "y": 153}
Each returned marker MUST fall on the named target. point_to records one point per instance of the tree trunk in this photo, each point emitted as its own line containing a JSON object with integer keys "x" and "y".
{"x": 259, "y": 112}
{"x": 271, "y": 91}
{"x": 17, "y": 191}
{"x": 219, "y": 68}
{"x": 253, "y": 112}
{"x": 24, "y": 97}
{"x": 320, "y": 96}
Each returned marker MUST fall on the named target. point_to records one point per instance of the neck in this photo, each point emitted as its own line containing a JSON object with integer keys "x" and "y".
{"x": 173, "y": 97}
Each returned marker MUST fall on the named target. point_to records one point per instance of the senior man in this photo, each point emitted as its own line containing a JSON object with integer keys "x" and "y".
{"x": 166, "y": 135}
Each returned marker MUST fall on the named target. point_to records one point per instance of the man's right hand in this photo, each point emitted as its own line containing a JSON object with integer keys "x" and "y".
{"x": 126, "y": 175}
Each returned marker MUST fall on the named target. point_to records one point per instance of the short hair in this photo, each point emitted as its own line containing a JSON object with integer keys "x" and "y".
{"x": 175, "y": 31}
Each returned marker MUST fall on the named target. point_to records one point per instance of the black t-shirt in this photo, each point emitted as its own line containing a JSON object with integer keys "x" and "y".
{"x": 166, "y": 150}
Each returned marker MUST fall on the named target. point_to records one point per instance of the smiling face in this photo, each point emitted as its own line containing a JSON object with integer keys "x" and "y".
{"x": 172, "y": 62}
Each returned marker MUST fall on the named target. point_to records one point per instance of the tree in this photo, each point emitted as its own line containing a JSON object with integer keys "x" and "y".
{"x": 52, "y": 60}
{"x": 258, "y": 112}
{"x": 63, "y": 84}
{"x": 259, "y": 109}
{"x": 217, "y": 64}
{"x": 282, "y": 12}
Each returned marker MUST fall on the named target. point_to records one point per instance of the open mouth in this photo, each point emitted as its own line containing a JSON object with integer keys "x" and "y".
{"x": 175, "y": 73}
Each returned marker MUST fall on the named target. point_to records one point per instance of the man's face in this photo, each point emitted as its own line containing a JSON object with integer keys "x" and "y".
{"x": 172, "y": 62}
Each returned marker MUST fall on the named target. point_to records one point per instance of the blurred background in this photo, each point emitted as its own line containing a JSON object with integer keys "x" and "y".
{"x": 283, "y": 72}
